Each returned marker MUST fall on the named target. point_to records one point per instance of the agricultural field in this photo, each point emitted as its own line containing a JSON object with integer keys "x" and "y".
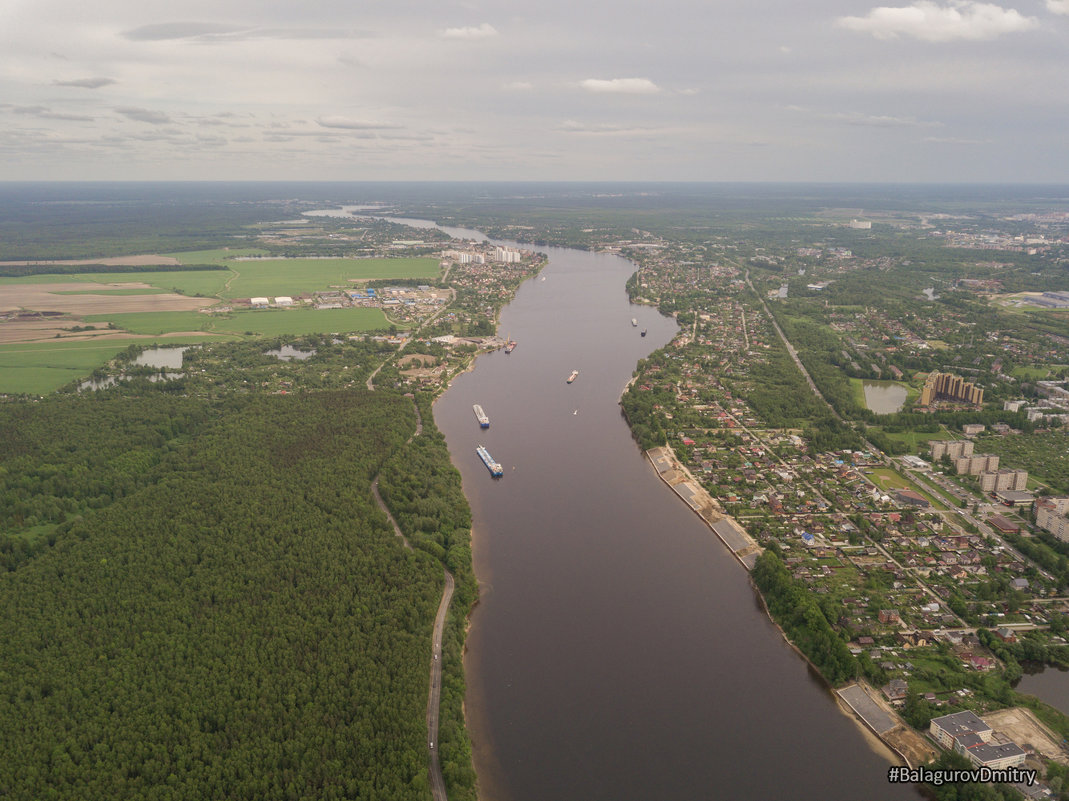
{"x": 206, "y": 283}
{"x": 273, "y": 277}
{"x": 301, "y": 321}
{"x": 95, "y": 315}
{"x": 155, "y": 323}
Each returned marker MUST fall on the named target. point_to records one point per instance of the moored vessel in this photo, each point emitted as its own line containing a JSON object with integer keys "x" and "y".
{"x": 496, "y": 470}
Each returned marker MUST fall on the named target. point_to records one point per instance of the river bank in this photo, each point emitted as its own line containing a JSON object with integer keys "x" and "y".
{"x": 602, "y": 606}
{"x": 893, "y": 733}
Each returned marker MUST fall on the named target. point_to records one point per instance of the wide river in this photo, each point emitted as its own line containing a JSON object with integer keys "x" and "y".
{"x": 618, "y": 651}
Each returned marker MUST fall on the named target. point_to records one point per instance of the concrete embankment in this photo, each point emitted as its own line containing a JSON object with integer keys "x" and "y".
{"x": 867, "y": 708}
{"x": 742, "y": 546}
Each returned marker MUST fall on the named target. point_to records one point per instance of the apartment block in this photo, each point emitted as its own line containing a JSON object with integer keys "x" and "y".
{"x": 1005, "y": 479}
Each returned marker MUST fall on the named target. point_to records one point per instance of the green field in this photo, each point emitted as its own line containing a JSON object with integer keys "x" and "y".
{"x": 189, "y": 282}
{"x": 273, "y": 277}
{"x": 155, "y": 323}
{"x": 217, "y": 256}
{"x": 301, "y": 321}
{"x": 263, "y": 322}
{"x": 1030, "y": 373}
{"x": 889, "y": 480}
{"x": 249, "y": 279}
{"x": 917, "y": 441}
{"x": 41, "y": 367}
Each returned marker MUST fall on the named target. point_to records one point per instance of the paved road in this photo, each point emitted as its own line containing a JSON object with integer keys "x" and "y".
{"x": 435, "y": 696}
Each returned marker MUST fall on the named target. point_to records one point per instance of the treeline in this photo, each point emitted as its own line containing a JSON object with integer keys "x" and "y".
{"x": 244, "y": 626}
{"x": 798, "y": 612}
{"x": 423, "y": 491}
{"x": 22, "y": 270}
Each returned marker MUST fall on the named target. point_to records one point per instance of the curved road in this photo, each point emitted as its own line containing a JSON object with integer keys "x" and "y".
{"x": 434, "y": 696}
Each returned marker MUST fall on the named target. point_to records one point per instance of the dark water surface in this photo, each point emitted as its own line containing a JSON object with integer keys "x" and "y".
{"x": 618, "y": 651}
{"x": 1048, "y": 684}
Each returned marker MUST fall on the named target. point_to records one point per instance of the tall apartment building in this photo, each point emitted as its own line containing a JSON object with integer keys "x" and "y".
{"x": 946, "y": 386}
{"x": 977, "y": 464}
{"x": 955, "y": 449}
{"x": 507, "y": 255}
{"x": 1005, "y": 479}
{"x": 1051, "y": 516}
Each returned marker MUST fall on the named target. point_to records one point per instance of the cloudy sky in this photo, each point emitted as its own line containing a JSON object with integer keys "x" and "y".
{"x": 713, "y": 90}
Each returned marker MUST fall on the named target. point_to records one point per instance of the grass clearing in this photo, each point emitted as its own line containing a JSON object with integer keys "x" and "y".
{"x": 40, "y": 367}
{"x": 917, "y": 441}
{"x": 1030, "y": 372}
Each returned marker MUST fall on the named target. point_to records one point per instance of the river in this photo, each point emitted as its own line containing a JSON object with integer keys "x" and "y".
{"x": 618, "y": 651}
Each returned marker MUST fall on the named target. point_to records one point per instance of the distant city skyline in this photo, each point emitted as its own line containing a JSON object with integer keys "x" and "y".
{"x": 918, "y": 91}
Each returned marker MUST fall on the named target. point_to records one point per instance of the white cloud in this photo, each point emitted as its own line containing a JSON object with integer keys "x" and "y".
{"x": 571, "y": 126}
{"x": 347, "y": 124}
{"x": 144, "y": 115}
{"x": 165, "y": 31}
{"x": 86, "y": 83}
{"x": 952, "y": 140}
{"x": 930, "y": 22}
{"x": 1058, "y": 6}
{"x": 484, "y": 31}
{"x": 208, "y": 32}
{"x": 518, "y": 86}
{"x": 867, "y": 120}
{"x": 629, "y": 86}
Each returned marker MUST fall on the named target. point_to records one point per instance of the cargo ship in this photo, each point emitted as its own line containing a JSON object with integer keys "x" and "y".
{"x": 643, "y": 332}
{"x": 495, "y": 469}
{"x": 510, "y": 346}
{"x": 480, "y": 415}
{"x": 634, "y": 323}
{"x": 573, "y": 376}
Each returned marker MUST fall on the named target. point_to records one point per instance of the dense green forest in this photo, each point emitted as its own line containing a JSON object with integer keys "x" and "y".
{"x": 219, "y": 610}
